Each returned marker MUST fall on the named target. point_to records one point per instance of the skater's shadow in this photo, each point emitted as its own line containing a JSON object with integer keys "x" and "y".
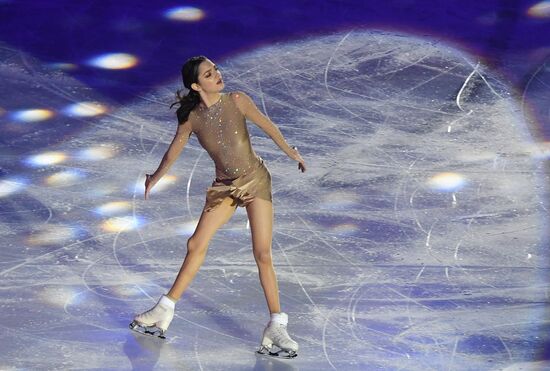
{"x": 219, "y": 318}
{"x": 143, "y": 351}
{"x": 268, "y": 363}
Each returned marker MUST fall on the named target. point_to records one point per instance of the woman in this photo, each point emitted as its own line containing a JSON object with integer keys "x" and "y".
{"x": 242, "y": 179}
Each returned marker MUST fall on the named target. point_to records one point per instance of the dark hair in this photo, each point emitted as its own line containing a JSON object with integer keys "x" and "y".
{"x": 189, "y": 75}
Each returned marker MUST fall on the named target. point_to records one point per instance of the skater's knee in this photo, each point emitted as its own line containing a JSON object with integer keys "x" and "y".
{"x": 194, "y": 245}
{"x": 263, "y": 257}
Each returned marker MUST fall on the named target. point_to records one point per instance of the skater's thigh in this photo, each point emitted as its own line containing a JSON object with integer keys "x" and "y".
{"x": 260, "y": 216}
{"x": 210, "y": 221}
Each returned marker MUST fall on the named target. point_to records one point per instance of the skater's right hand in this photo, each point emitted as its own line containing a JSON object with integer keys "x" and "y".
{"x": 301, "y": 162}
{"x": 148, "y": 184}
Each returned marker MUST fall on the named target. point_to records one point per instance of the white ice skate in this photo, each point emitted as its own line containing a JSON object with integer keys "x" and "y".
{"x": 156, "y": 320}
{"x": 275, "y": 334}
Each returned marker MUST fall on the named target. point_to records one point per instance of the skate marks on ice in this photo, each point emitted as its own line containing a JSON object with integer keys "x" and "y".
{"x": 413, "y": 241}
{"x": 422, "y": 202}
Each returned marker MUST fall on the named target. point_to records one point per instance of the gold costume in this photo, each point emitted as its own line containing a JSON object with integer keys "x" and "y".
{"x": 240, "y": 173}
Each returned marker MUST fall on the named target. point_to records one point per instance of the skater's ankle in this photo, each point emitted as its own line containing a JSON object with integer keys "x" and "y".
{"x": 168, "y": 301}
{"x": 175, "y": 300}
{"x": 280, "y": 318}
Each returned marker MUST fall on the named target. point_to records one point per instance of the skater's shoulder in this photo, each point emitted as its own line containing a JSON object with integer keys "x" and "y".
{"x": 241, "y": 100}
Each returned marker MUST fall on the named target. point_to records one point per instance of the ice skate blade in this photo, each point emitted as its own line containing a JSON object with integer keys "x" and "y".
{"x": 147, "y": 330}
{"x": 279, "y": 354}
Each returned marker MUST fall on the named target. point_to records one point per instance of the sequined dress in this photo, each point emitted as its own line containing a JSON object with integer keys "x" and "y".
{"x": 240, "y": 173}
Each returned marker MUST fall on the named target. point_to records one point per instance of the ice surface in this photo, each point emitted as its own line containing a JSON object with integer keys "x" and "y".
{"x": 414, "y": 241}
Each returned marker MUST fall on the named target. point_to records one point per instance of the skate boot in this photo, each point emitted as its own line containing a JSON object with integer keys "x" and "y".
{"x": 156, "y": 320}
{"x": 275, "y": 334}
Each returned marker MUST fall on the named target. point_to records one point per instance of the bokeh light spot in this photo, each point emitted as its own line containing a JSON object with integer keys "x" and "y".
{"x": 85, "y": 109}
{"x": 64, "y": 178}
{"x": 32, "y": 115}
{"x": 10, "y": 186}
{"x": 344, "y": 229}
{"x": 121, "y": 224}
{"x": 51, "y": 235}
{"x": 185, "y": 13}
{"x": 46, "y": 158}
{"x": 164, "y": 183}
{"x": 540, "y": 151}
{"x": 57, "y": 296}
{"x": 102, "y": 152}
{"x": 447, "y": 182}
{"x": 112, "y": 208}
{"x": 114, "y": 61}
{"x": 188, "y": 228}
{"x": 339, "y": 200}
{"x": 540, "y": 10}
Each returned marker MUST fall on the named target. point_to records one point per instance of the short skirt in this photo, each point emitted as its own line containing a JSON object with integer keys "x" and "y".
{"x": 242, "y": 189}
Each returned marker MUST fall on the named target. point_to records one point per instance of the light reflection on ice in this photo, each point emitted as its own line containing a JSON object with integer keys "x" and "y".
{"x": 46, "y": 158}
{"x": 64, "y": 178}
{"x": 85, "y": 109}
{"x": 11, "y": 185}
{"x": 114, "y": 61}
{"x": 447, "y": 181}
{"x": 113, "y": 207}
{"x": 96, "y": 153}
{"x": 51, "y": 235}
{"x": 122, "y": 223}
{"x": 33, "y": 115}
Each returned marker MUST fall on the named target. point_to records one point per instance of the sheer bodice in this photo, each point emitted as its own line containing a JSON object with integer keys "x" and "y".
{"x": 222, "y": 132}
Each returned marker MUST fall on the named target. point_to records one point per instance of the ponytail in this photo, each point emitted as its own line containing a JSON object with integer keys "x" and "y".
{"x": 187, "y": 104}
{"x": 190, "y": 75}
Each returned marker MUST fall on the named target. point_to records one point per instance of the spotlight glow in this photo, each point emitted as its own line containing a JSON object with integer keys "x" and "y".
{"x": 64, "y": 178}
{"x": 57, "y": 295}
{"x": 96, "y": 153}
{"x": 540, "y": 10}
{"x": 540, "y": 151}
{"x": 32, "y": 115}
{"x": 46, "y": 158}
{"x": 339, "y": 200}
{"x": 121, "y": 224}
{"x": 166, "y": 182}
{"x": 185, "y": 13}
{"x": 114, "y": 61}
{"x": 344, "y": 229}
{"x": 10, "y": 186}
{"x": 188, "y": 228}
{"x": 450, "y": 182}
{"x": 112, "y": 208}
{"x": 126, "y": 291}
{"x": 51, "y": 235}
{"x": 85, "y": 109}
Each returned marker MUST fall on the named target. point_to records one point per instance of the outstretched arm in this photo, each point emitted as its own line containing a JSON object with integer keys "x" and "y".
{"x": 252, "y": 113}
{"x": 180, "y": 140}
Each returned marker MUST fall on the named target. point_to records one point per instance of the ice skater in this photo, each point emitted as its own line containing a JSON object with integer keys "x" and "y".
{"x": 218, "y": 119}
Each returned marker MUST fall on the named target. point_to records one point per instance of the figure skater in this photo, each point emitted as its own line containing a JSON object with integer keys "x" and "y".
{"x": 242, "y": 179}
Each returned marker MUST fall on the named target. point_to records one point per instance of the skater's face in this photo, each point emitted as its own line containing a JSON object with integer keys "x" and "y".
{"x": 210, "y": 78}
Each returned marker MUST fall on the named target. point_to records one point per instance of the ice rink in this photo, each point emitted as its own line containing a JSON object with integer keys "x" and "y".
{"x": 417, "y": 239}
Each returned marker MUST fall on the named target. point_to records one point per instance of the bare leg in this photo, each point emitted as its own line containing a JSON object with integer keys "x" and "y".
{"x": 260, "y": 215}
{"x": 197, "y": 245}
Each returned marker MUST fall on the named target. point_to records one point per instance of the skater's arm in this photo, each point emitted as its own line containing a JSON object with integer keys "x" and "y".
{"x": 252, "y": 113}
{"x": 178, "y": 143}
